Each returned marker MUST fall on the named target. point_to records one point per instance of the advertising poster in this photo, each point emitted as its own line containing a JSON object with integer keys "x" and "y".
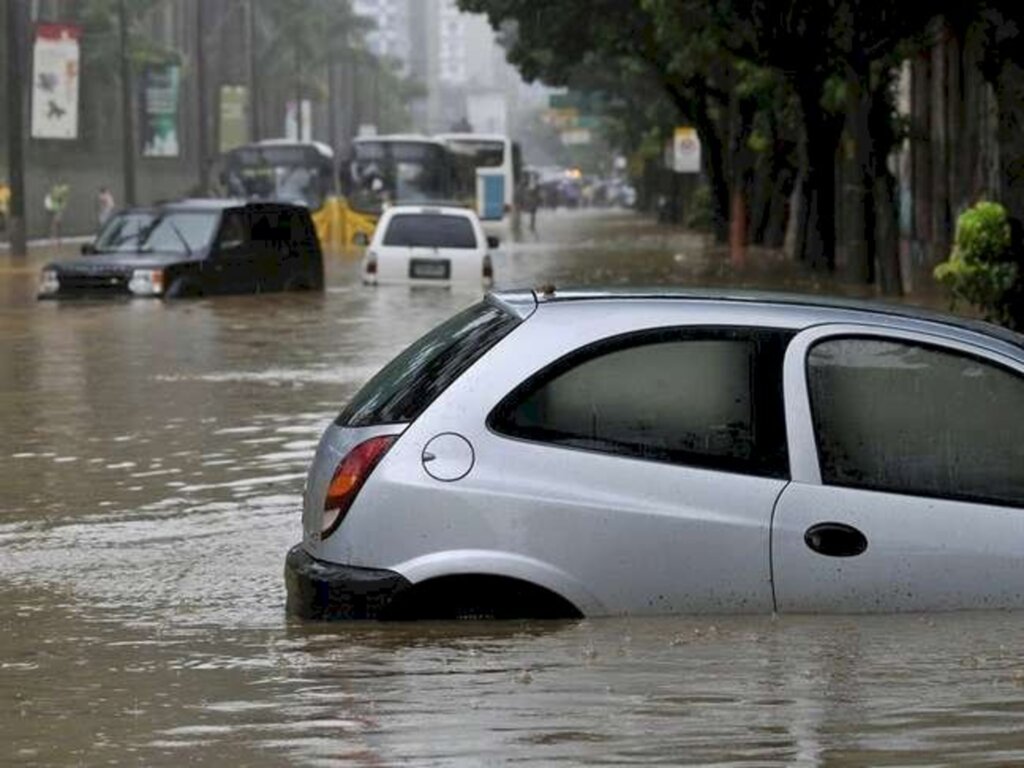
{"x": 161, "y": 86}
{"x": 234, "y": 127}
{"x": 55, "y": 78}
{"x": 686, "y": 150}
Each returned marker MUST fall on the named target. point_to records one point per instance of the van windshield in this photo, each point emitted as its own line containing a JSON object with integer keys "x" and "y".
{"x": 426, "y": 230}
{"x": 404, "y": 388}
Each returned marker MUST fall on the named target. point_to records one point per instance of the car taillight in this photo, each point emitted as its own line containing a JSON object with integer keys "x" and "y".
{"x": 371, "y": 263}
{"x": 349, "y": 478}
{"x": 488, "y": 268}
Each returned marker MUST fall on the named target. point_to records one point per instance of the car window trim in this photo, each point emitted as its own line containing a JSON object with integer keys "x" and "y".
{"x": 765, "y": 465}
{"x": 805, "y": 460}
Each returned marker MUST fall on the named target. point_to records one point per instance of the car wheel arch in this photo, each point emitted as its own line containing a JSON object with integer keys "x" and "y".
{"x": 501, "y": 565}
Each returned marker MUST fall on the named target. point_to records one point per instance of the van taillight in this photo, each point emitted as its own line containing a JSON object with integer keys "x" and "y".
{"x": 488, "y": 268}
{"x": 349, "y": 478}
{"x": 371, "y": 264}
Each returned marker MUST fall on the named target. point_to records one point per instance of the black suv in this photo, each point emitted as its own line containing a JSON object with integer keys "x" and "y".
{"x": 201, "y": 247}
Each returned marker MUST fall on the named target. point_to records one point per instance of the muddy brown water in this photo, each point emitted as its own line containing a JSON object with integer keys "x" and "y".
{"x": 151, "y": 466}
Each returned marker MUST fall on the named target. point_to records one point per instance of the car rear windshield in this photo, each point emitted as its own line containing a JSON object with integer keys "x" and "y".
{"x": 430, "y": 230}
{"x": 404, "y": 388}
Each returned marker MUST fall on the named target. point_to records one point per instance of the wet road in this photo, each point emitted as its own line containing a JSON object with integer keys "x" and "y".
{"x": 151, "y": 466}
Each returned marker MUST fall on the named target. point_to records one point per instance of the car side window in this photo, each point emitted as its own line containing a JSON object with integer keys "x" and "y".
{"x": 707, "y": 397}
{"x": 909, "y": 418}
{"x": 232, "y": 231}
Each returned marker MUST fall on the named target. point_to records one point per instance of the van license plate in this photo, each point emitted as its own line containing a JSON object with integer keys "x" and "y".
{"x": 431, "y": 269}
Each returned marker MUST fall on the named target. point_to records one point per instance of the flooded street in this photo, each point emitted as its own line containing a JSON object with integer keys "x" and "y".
{"x": 152, "y": 464}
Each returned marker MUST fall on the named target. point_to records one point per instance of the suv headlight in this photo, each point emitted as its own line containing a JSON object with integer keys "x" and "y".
{"x": 147, "y": 282}
{"x": 49, "y": 283}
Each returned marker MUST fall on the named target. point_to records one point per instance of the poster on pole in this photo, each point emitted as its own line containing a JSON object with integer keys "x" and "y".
{"x": 685, "y": 150}
{"x": 55, "y": 79}
{"x": 161, "y": 86}
{"x": 234, "y": 126}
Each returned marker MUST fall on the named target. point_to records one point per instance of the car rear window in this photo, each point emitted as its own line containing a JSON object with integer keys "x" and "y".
{"x": 404, "y": 388}
{"x": 430, "y": 230}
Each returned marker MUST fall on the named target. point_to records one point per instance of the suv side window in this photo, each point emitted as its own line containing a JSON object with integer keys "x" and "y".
{"x": 700, "y": 397}
{"x": 908, "y": 418}
{"x": 232, "y": 234}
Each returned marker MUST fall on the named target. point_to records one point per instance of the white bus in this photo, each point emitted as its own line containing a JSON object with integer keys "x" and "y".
{"x": 498, "y": 165}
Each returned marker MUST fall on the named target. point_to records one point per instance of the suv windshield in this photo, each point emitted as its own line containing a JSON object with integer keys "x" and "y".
{"x": 404, "y": 388}
{"x": 123, "y": 231}
{"x": 181, "y": 231}
{"x": 430, "y": 230}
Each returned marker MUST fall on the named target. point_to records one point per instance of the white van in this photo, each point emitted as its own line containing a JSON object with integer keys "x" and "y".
{"x": 429, "y": 245}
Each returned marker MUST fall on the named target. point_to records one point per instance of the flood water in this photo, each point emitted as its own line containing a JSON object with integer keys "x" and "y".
{"x": 151, "y": 467}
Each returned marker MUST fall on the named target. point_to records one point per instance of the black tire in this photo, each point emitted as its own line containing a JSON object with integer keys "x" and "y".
{"x": 183, "y": 288}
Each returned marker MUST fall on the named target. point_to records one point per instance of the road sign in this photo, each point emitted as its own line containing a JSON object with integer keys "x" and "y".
{"x": 685, "y": 150}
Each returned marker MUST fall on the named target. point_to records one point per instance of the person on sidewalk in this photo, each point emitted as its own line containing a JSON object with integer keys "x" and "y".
{"x": 104, "y": 206}
{"x": 5, "y": 204}
{"x": 54, "y": 203}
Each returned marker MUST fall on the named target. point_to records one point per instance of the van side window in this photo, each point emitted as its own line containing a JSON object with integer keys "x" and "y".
{"x": 706, "y": 397}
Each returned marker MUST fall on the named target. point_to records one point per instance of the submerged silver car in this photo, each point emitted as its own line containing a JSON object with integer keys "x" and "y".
{"x": 562, "y": 454}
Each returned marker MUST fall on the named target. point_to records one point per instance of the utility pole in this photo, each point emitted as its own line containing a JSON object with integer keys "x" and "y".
{"x": 298, "y": 91}
{"x": 16, "y": 125}
{"x": 203, "y": 148}
{"x": 250, "y": 70}
{"x": 127, "y": 105}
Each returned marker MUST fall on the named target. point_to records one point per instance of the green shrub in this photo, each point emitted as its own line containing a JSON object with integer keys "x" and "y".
{"x": 981, "y": 270}
{"x": 699, "y": 216}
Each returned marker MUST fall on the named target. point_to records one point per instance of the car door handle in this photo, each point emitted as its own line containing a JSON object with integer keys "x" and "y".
{"x": 835, "y": 540}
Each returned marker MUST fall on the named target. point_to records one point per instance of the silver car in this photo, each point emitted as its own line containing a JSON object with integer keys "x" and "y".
{"x": 562, "y": 454}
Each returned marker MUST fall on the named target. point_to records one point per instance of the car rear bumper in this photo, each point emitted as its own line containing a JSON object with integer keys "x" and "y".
{"x": 328, "y": 591}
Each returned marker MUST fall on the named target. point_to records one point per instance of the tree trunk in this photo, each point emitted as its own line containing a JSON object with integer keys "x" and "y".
{"x": 1010, "y": 96}
{"x": 816, "y": 234}
{"x": 859, "y": 186}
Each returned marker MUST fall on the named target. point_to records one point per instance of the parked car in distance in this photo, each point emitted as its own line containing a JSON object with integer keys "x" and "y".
{"x": 122, "y": 231}
{"x": 584, "y": 453}
{"x": 201, "y": 247}
{"x": 429, "y": 245}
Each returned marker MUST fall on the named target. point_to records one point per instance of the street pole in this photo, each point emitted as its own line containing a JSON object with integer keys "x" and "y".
{"x": 250, "y": 70}
{"x": 298, "y": 92}
{"x": 16, "y": 126}
{"x": 203, "y": 148}
{"x": 127, "y": 116}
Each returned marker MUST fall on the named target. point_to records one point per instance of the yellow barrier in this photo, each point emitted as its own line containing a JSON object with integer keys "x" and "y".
{"x": 337, "y": 226}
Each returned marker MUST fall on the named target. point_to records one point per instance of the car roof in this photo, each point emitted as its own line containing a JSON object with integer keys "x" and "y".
{"x": 218, "y": 204}
{"x": 833, "y": 308}
{"x": 437, "y": 209}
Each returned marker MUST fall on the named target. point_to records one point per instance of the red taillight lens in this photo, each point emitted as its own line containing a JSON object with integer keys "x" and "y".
{"x": 371, "y": 265}
{"x": 488, "y": 268}
{"x": 349, "y": 478}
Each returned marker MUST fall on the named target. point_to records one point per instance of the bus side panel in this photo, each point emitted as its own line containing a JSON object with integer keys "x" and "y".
{"x": 490, "y": 193}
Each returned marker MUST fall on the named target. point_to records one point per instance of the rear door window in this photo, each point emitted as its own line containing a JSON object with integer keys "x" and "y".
{"x": 428, "y": 230}
{"x": 404, "y": 388}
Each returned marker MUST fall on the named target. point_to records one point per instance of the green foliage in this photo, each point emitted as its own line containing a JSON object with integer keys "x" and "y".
{"x": 699, "y": 216}
{"x": 980, "y": 270}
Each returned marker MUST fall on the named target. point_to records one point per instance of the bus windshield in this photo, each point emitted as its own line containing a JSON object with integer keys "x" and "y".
{"x": 296, "y": 174}
{"x": 398, "y": 172}
{"x": 486, "y": 154}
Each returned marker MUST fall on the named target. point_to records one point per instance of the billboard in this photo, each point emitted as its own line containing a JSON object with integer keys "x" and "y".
{"x": 55, "y": 79}
{"x": 234, "y": 127}
{"x": 685, "y": 150}
{"x": 161, "y": 87}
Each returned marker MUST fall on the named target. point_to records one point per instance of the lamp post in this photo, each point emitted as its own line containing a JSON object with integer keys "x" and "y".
{"x": 15, "y": 125}
{"x": 127, "y": 103}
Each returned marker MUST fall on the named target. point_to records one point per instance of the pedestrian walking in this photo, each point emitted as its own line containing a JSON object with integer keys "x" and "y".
{"x": 104, "y": 206}
{"x": 5, "y": 204}
{"x": 54, "y": 203}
